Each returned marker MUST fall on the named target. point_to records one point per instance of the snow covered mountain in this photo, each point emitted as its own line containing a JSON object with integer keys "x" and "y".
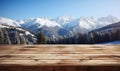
{"x": 16, "y": 35}
{"x": 61, "y": 26}
{"x": 9, "y": 22}
{"x": 34, "y": 24}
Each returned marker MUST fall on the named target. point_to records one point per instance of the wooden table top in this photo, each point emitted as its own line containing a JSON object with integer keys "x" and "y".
{"x": 60, "y": 55}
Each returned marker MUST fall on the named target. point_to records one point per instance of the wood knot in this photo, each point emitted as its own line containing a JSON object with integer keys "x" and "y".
{"x": 36, "y": 59}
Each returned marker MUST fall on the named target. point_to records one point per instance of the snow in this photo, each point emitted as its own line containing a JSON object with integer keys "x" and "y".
{"x": 84, "y": 24}
{"x": 46, "y": 22}
{"x": 39, "y": 22}
{"x": 9, "y": 22}
{"x": 20, "y": 29}
{"x": 28, "y": 33}
{"x": 65, "y": 22}
{"x": 103, "y": 21}
{"x": 2, "y": 26}
{"x": 93, "y": 23}
{"x": 114, "y": 42}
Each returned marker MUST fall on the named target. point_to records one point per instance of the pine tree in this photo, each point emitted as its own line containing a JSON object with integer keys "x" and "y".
{"x": 6, "y": 37}
{"x": 22, "y": 40}
{"x": 17, "y": 37}
{"x": 96, "y": 36}
{"x": 118, "y": 32}
{"x": 1, "y": 37}
{"x": 40, "y": 38}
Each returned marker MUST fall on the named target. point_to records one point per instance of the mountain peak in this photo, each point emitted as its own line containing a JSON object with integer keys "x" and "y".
{"x": 63, "y": 19}
{"x": 62, "y": 25}
{"x": 9, "y": 22}
{"x": 62, "y": 22}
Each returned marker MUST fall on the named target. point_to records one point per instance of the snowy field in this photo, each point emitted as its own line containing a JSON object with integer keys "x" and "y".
{"x": 114, "y": 42}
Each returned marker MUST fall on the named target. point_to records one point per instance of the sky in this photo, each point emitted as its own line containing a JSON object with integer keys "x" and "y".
{"x": 21, "y": 9}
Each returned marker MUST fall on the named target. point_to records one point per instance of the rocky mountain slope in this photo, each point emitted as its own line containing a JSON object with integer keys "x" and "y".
{"x": 61, "y": 26}
{"x": 16, "y": 35}
{"x": 109, "y": 33}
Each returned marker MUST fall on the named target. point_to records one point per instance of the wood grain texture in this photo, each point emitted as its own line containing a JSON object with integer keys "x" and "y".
{"x": 60, "y": 57}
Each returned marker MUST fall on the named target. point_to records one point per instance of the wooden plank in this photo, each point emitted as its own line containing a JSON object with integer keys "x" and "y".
{"x": 60, "y": 52}
{"x": 58, "y": 46}
{"x": 58, "y": 55}
{"x": 60, "y": 58}
{"x": 60, "y": 68}
{"x": 96, "y": 49}
{"x": 61, "y": 62}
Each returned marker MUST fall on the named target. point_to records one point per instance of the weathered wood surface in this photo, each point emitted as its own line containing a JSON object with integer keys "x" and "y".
{"x": 60, "y": 58}
{"x": 60, "y": 55}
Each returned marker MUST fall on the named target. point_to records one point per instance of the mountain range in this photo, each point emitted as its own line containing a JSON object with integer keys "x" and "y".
{"x": 60, "y": 26}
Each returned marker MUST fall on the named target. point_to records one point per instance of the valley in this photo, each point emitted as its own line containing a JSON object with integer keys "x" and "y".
{"x": 61, "y": 30}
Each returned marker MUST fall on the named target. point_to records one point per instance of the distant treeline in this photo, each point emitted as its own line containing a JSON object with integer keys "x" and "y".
{"x": 92, "y": 37}
{"x": 13, "y": 35}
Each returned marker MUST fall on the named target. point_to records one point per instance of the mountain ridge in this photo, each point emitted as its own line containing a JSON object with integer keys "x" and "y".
{"x": 55, "y": 27}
